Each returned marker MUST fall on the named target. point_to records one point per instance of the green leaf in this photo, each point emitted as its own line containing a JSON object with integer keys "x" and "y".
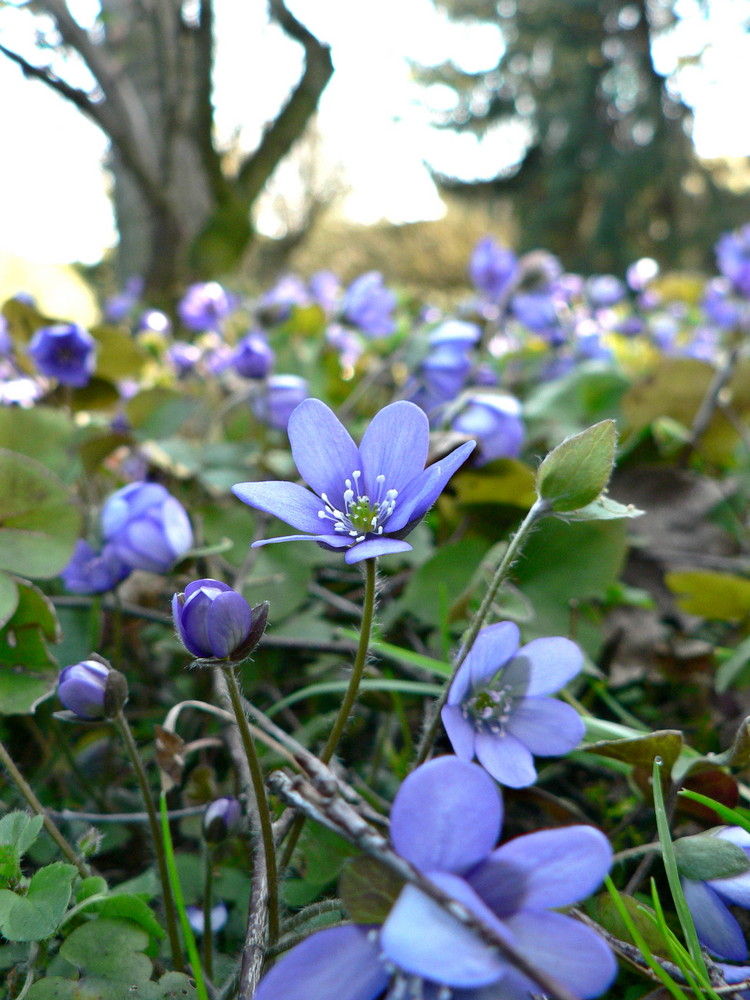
{"x": 641, "y": 750}
{"x": 20, "y": 829}
{"x": 703, "y": 856}
{"x": 368, "y": 890}
{"x": 603, "y": 509}
{"x": 510, "y": 482}
{"x": 8, "y": 598}
{"x": 28, "y": 671}
{"x": 720, "y": 596}
{"x": 118, "y": 354}
{"x": 129, "y": 907}
{"x": 42, "y": 433}
{"x": 37, "y": 915}
{"x": 439, "y": 588}
{"x": 576, "y": 472}
{"x": 172, "y": 986}
{"x": 39, "y": 524}
{"x": 109, "y": 948}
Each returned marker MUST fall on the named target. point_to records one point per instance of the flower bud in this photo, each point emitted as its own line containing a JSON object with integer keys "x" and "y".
{"x": 147, "y": 528}
{"x": 196, "y": 918}
{"x": 214, "y": 622}
{"x": 253, "y": 357}
{"x": 92, "y": 690}
{"x": 221, "y": 819}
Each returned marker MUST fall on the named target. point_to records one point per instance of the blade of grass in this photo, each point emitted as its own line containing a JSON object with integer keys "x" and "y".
{"x": 673, "y": 875}
{"x": 187, "y": 930}
{"x": 726, "y": 812}
{"x": 682, "y": 958}
{"x": 640, "y": 942}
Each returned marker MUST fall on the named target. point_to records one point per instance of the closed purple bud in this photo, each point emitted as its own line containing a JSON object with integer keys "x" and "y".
{"x": 283, "y": 394}
{"x": 253, "y": 357}
{"x": 66, "y": 352}
{"x": 92, "y": 690}
{"x": 146, "y": 527}
{"x": 221, "y": 819}
{"x": 213, "y": 621}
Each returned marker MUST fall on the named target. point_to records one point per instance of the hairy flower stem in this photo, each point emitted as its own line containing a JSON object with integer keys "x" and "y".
{"x": 368, "y": 613}
{"x": 208, "y": 941}
{"x": 539, "y": 509}
{"x": 28, "y": 793}
{"x": 170, "y": 911}
{"x": 360, "y": 659}
{"x": 261, "y": 801}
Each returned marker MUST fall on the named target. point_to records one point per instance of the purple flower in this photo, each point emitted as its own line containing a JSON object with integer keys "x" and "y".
{"x": 214, "y": 622}
{"x": 281, "y": 395}
{"x": 204, "y": 306}
{"x": 82, "y": 687}
{"x": 709, "y": 903}
{"x": 498, "y": 710}
{"x": 221, "y": 819}
{"x": 641, "y": 273}
{"x": 277, "y": 303}
{"x": 494, "y": 419}
{"x": 184, "y": 356}
{"x": 446, "y": 821}
{"x": 365, "y": 499}
{"x": 369, "y": 305}
{"x": 721, "y": 304}
{"x": 66, "y": 352}
{"x": 733, "y": 258}
{"x": 604, "y": 290}
{"x": 92, "y": 572}
{"x": 117, "y": 307}
{"x": 448, "y": 363}
{"x": 492, "y": 268}
{"x": 325, "y": 289}
{"x": 253, "y": 357}
{"x": 146, "y": 527}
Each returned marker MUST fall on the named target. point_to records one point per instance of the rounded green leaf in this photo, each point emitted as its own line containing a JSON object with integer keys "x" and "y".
{"x": 576, "y": 472}
{"x": 703, "y": 857}
{"x": 39, "y": 523}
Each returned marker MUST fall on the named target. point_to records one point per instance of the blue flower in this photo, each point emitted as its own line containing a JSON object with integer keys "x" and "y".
{"x": 369, "y": 305}
{"x": 446, "y": 820}
{"x": 253, "y": 357}
{"x": 214, "y": 622}
{"x": 733, "y": 258}
{"x": 66, "y": 352}
{"x": 221, "y": 819}
{"x": 92, "y": 572}
{"x": 497, "y": 709}
{"x": 492, "y": 268}
{"x": 365, "y": 499}
{"x": 709, "y": 903}
{"x": 83, "y": 690}
{"x": 281, "y": 395}
{"x": 494, "y": 419}
{"x": 146, "y": 527}
{"x": 204, "y": 305}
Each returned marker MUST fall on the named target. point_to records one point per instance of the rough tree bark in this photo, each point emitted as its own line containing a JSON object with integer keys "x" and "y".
{"x": 179, "y": 215}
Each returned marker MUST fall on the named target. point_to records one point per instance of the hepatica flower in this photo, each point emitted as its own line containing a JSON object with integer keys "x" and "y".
{"x": 366, "y": 498}
{"x": 146, "y": 527}
{"x": 214, "y": 622}
{"x": 446, "y": 821}
{"x": 66, "y": 352}
{"x": 498, "y": 710}
{"x": 709, "y": 901}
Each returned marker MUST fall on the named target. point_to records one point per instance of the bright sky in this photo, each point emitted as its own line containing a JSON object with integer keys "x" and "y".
{"x": 53, "y": 191}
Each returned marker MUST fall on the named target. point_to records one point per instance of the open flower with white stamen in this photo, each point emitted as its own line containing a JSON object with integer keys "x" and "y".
{"x": 366, "y": 499}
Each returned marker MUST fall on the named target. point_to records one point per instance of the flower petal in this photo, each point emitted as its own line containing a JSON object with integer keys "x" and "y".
{"x": 395, "y": 445}
{"x": 372, "y": 547}
{"x": 575, "y": 955}
{"x": 289, "y": 502}
{"x": 553, "y": 662}
{"x": 717, "y": 928}
{"x": 552, "y": 868}
{"x": 228, "y": 623}
{"x": 421, "y": 937}
{"x": 329, "y": 541}
{"x": 506, "y": 759}
{"x": 546, "y": 726}
{"x": 492, "y": 649}
{"x": 460, "y": 731}
{"x": 323, "y": 449}
{"x": 423, "y": 491}
{"x": 338, "y": 962}
{"x": 446, "y": 815}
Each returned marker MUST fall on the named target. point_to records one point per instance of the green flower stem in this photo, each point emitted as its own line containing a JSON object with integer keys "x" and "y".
{"x": 360, "y": 659}
{"x": 28, "y": 793}
{"x": 539, "y": 509}
{"x": 153, "y": 821}
{"x": 208, "y": 883}
{"x": 261, "y": 801}
{"x": 368, "y": 613}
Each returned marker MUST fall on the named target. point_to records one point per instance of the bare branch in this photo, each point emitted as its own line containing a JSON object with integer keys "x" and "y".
{"x": 294, "y": 116}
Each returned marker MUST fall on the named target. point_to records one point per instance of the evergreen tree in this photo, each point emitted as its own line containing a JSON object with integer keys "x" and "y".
{"x": 609, "y": 172}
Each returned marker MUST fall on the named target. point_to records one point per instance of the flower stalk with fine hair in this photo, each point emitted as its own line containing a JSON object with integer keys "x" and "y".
{"x": 366, "y": 499}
